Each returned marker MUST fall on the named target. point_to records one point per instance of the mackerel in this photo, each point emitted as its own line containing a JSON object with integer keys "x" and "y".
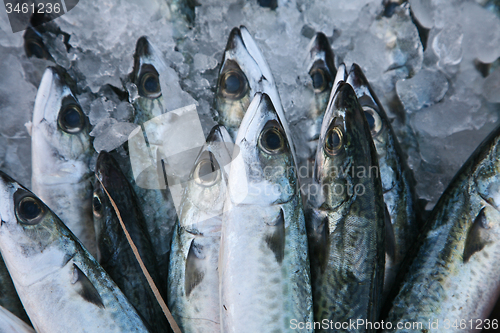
{"x": 264, "y": 265}
{"x": 54, "y": 274}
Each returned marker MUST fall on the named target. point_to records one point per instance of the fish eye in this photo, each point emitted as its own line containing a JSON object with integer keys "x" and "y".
{"x": 272, "y": 140}
{"x": 30, "y": 210}
{"x": 207, "y": 172}
{"x": 34, "y": 48}
{"x": 334, "y": 141}
{"x": 319, "y": 79}
{"x": 71, "y": 119}
{"x": 233, "y": 84}
{"x": 96, "y": 205}
{"x": 374, "y": 121}
{"x": 149, "y": 85}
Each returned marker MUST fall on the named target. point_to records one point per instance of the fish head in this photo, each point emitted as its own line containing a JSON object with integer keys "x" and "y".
{"x": 243, "y": 73}
{"x": 207, "y": 185}
{"x": 60, "y": 127}
{"x": 30, "y": 234}
{"x": 344, "y": 146}
{"x": 148, "y": 63}
{"x": 373, "y": 110}
{"x": 322, "y": 71}
{"x": 264, "y": 171}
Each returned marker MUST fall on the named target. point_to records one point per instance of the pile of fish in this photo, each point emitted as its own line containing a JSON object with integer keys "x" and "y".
{"x": 229, "y": 231}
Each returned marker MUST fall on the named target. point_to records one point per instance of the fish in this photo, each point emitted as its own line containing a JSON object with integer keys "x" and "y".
{"x": 10, "y": 323}
{"x": 155, "y": 201}
{"x": 452, "y": 279}
{"x": 402, "y": 223}
{"x": 321, "y": 69}
{"x": 62, "y": 287}
{"x": 345, "y": 220}
{"x": 61, "y": 151}
{"x": 146, "y": 96}
{"x": 8, "y": 295}
{"x": 115, "y": 253}
{"x": 193, "y": 281}
{"x": 263, "y": 265}
{"x": 244, "y": 72}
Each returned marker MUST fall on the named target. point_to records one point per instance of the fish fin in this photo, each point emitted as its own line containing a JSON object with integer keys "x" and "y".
{"x": 275, "y": 240}
{"x": 87, "y": 289}
{"x": 477, "y": 237}
{"x": 390, "y": 239}
{"x": 194, "y": 271}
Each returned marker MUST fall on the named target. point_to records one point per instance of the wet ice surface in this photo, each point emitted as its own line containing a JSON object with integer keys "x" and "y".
{"x": 442, "y": 108}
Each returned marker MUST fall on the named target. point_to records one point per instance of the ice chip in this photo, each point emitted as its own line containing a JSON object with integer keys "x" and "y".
{"x": 481, "y": 33}
{"x": 110, "y": 134}
{"x": 424, "y": 89}
{"x": 203, "y": 62}
{"x": 448, "y": 45}
{"x": 423, "y": 12}
{"x": 445, "y": 118}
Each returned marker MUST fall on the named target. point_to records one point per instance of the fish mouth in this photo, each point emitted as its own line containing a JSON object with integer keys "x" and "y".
{"x": 142, "y": 48}
{"x": 320, "y": 50}
{"x": 234, "y": 37}
{"x": 358, "y": 78}
{"x": 43, "y": 95}
{"x": 242, "y": 37}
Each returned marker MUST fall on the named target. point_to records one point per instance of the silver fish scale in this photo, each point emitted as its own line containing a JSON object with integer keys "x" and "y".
{"x": 270, "y": 283}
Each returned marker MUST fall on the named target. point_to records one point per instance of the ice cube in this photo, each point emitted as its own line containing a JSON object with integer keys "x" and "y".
{"x": 481, "y": 33}
{"x": 447, "y": 46}
{"x": 423, "y": 12}
{"x": 446, "y": 118}
{"x": 109, "y": 134}
{"x": 424, "y": 89}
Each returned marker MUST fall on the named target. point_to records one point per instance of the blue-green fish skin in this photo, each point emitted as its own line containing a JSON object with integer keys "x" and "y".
{"x": 54, "y": 274}
{"x": 455, "y": 263}
{"x": 115, "y": 253}
{"x": 346, "y": 228}
{"x": 397, "y": 179}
